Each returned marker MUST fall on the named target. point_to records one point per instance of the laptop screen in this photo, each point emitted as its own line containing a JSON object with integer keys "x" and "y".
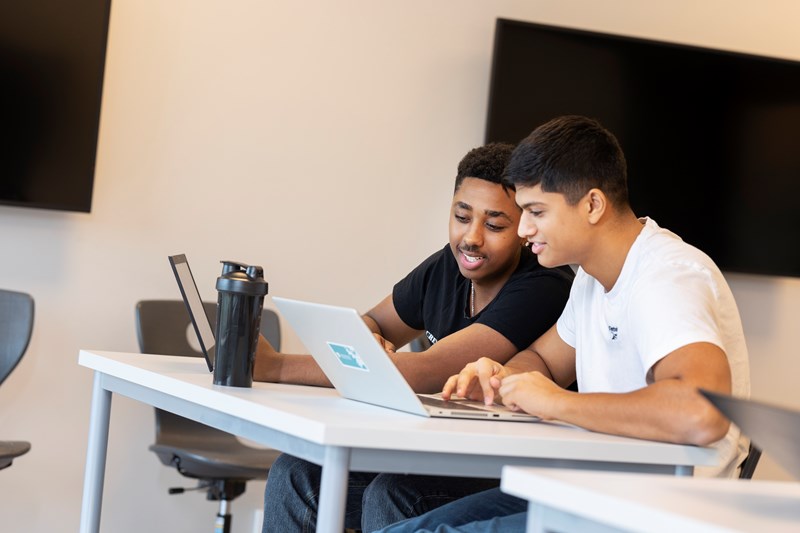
{"x": 194, "y": 305}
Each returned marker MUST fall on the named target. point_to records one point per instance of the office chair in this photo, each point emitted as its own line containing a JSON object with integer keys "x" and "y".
{"x": 218, "y": 460}
{"x": 16, "y": 326}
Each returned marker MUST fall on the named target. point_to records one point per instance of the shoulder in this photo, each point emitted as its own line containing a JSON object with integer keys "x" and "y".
{"x": 439, "y": 257}
{"x": 665, "y": 246}
{"x": 534, "y": 287}
{"x": 675, "y": 281}
{"x": 440, "y": 261}
{"x": 438, "y": 271}
{"x": 428, "y": 284}
{"x": 529, "y": 303}
{"x": 664, "y": 258}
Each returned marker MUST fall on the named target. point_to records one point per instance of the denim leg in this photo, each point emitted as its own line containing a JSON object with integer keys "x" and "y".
{"x": 486, "y": 512}
{"x": 391, "y": 498}
{"x": 514, "y": 523}
{"x": 291, "y": 497}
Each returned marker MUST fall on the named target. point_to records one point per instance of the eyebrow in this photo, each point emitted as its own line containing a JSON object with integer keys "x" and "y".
{"x": 488, "y": 212}
{"x": 496, "y": 214}
{"x": 528, "y": 205}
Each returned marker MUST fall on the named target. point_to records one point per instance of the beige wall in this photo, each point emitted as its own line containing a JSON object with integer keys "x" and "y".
{"x": 318, "y": 139}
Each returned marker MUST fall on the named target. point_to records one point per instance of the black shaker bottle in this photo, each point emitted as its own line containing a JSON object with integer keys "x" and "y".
{"x": 241, "y": 297}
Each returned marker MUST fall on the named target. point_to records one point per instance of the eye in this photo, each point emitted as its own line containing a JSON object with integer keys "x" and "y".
{"x": 535, "y": 213}
{"x": 461, "y": 218}
{"x": 495, "y": 227}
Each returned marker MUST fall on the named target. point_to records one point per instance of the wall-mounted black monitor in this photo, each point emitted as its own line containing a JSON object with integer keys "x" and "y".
{"x": 52, "y": 57}
{"x": 712, "y": 138}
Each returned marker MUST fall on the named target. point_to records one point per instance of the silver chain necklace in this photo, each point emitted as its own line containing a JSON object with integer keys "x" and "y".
{"x": 472, "y": 299}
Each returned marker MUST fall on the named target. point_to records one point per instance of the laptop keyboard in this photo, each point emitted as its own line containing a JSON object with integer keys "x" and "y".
{"x": 436, "y": 402}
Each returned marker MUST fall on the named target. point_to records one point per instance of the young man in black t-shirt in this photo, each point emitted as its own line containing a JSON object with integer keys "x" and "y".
{"x": 483, "y": 294}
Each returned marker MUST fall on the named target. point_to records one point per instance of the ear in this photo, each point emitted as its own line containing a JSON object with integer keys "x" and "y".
{"x": 596, "y": 203}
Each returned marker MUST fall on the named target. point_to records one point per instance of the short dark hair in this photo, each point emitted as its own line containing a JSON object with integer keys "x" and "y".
{"x": 571, "y": 155}
{"x": 487, "y": 163}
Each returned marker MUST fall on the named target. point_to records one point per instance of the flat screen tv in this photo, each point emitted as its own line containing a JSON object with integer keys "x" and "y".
{"x": 712, "y": 138}
{"x": 52, "y": 57}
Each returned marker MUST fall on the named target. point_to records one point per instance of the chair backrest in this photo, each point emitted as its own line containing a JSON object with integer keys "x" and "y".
{"x": 164, "y": 327}
{"x": 16, "y": 326}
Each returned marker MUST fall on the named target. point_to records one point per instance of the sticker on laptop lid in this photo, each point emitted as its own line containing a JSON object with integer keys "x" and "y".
{"x": 348, "y": 356}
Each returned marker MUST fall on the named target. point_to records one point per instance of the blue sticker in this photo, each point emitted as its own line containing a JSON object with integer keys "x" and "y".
{"x": 348, "y": 356}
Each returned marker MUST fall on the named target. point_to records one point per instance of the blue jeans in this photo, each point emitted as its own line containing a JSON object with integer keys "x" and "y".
{"x": 491, "y": 511}
{"x": 373, "y": 500}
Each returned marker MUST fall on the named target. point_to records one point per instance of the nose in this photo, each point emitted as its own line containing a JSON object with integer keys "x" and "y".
{"x": 473, "y": 237}
{"x": 526, "y": 228}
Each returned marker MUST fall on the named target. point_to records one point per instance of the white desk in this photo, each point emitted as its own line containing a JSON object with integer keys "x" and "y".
{"x": 573, "y": 500}
{"x": 319, "y": 426}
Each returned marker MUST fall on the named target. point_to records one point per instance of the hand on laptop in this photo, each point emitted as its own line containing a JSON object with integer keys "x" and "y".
{"x": 477, "y": 381}
{"x": 531, "y": 392}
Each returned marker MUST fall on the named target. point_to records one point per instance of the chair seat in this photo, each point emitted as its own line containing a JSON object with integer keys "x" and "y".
{"x": 220, "y": 462}
{"x": 240, "y": 462}
{"x": 11, "y": 449}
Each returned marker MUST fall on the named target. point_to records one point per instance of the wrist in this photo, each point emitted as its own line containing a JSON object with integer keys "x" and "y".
{"x": 267, "y": 366}
{"x": 563, "y": 403}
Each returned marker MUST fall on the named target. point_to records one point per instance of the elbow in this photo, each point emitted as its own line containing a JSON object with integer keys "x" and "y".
{"x": 706, "y": 426}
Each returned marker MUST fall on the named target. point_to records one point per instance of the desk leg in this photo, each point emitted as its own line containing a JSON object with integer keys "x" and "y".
{"x": 333, "y": 489}
{"x": 95, "y": 458}
{"x": 535, "y": 520}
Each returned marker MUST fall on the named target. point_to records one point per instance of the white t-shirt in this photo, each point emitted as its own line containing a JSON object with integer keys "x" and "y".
{"x": 668, "y": 295}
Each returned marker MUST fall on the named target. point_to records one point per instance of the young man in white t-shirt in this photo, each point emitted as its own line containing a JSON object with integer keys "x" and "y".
{"x": 650, "y": 319}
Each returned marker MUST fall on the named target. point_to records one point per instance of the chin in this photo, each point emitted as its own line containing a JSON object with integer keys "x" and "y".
{"x": 469, "y": 274}
{"x": 542, "y": 258}
{"x": 547, "y": 263}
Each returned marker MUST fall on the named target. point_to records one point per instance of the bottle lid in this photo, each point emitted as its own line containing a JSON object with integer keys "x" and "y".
{"x": 242, "y": 278}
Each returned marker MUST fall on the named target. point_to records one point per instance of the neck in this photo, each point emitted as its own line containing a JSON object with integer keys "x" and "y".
{"x": 610, "y": 249}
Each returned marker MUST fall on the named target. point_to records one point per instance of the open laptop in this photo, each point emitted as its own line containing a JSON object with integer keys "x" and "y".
{"x": 194, "y": 305}
{"x": 776, "y": 430}
{"x": 359, "y": 368}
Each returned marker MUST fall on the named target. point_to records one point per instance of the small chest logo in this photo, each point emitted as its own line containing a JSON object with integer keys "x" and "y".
{"x": 430, "y": 337}
{"x": 612, "y": 330}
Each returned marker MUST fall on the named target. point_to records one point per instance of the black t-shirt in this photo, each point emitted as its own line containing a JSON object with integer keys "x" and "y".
{"x": 435, "y": 296}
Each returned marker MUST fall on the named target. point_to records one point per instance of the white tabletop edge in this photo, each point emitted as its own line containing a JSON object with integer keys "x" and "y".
{"x": 379, "y": 428}
{"x": 226, "y": 399}
{"x": 656, "y": 503}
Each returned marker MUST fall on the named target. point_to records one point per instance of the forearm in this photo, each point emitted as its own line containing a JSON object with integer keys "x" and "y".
{"x": 425, "y": 372}
{"x": 669, "y": 410}
{"x": 527, "y": 361}
{"x": 275, "y": 367}
{"x": 429, "y": 370}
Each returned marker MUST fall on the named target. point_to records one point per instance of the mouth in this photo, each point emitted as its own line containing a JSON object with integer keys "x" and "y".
{"x": 535, "y": 246}
{"x": 471, "y": 260}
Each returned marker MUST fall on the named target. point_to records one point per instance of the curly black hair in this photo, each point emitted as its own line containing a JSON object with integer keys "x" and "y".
{"x": 486, "y": 163}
